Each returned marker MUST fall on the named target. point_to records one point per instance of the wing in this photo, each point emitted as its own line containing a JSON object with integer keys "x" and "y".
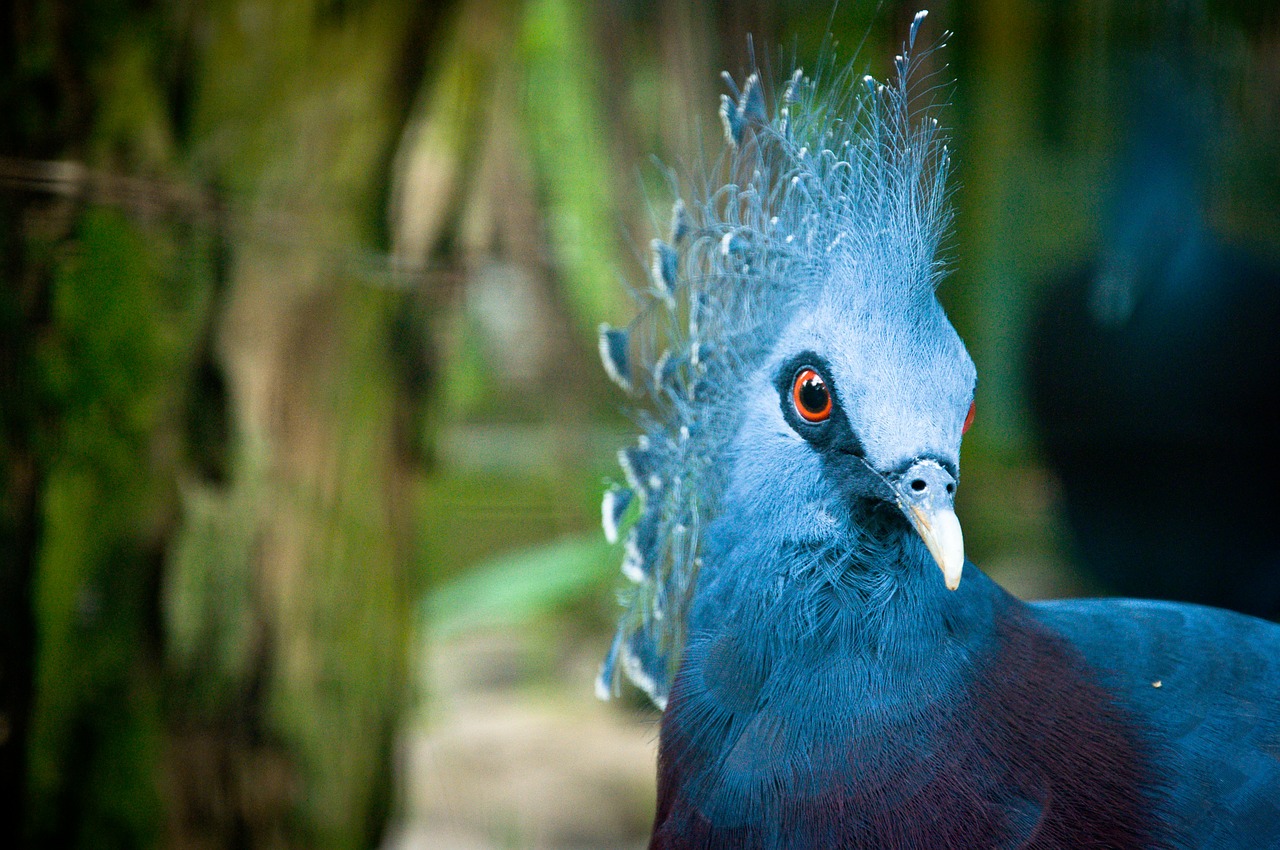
{"x": 1207, "y": 682}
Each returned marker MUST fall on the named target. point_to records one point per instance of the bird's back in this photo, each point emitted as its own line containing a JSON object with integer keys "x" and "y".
{"x": 1205, "y": 686}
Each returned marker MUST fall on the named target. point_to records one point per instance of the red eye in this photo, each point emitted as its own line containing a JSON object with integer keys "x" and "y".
{"x": 968, "y": 419}
{"x": 811, "y": 397}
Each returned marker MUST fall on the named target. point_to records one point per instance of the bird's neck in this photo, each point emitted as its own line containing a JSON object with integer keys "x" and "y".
{"x": 793, "y": 669}
{"x": 966, "y": 722}
{"x": 879, "y": 602}
{"x": 841, "y": 696}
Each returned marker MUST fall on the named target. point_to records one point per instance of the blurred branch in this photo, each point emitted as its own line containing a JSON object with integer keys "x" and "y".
{"x": 148, "y": 198}
{"x": 141, "y": 196}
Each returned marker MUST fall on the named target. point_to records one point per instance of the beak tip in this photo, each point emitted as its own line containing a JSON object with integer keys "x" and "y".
{"x": 953, "y": 582}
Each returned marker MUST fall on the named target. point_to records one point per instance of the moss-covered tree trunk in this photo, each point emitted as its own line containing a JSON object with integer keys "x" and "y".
{"x": 203, "y": 556}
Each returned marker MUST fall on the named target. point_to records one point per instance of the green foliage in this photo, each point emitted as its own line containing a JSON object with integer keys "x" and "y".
{"x": 110, "y": 371}
{"x": 568, "y": 129}
{"x": 469, "y": 383}
{"x": 208, "y": 604}
{"x": 514, "y": 589}
{"x": 133, "y": 129}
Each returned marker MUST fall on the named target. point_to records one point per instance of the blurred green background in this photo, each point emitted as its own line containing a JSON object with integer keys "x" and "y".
{"x": 303, "y": 433}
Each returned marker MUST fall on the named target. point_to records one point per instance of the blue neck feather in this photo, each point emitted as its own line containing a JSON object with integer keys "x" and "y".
{"x": 872, "y": 707}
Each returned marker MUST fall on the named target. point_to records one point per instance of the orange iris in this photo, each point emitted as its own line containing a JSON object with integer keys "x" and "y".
{"x": 811, "y": 397}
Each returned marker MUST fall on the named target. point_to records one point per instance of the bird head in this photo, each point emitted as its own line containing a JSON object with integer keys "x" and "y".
{"x": 801, "y": 388}
{"x": 859, "y": 408}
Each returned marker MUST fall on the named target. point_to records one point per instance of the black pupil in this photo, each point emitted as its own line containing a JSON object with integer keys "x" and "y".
{"x": 813, "y": 394}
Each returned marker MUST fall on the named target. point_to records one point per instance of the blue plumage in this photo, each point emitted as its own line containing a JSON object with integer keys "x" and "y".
{"x": 823, "y": 685}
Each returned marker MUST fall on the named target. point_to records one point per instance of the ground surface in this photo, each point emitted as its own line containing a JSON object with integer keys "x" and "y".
{"x": 505, "y": 754}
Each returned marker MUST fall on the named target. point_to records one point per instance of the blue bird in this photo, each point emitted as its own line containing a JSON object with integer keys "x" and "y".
{"x": 832, "y": 672}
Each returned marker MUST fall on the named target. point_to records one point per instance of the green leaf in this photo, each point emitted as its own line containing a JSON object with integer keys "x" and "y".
{"x": 513, "y": 589}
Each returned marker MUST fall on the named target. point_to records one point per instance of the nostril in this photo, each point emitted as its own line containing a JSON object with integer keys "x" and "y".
{"x": 918, "y": 485}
